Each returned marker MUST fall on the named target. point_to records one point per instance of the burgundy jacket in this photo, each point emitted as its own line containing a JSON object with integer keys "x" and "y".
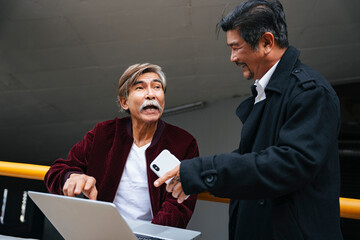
{"x": 103, "y": 153}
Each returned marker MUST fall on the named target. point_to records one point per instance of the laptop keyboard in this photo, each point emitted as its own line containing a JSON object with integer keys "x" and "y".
{"x": 143, "y": 237}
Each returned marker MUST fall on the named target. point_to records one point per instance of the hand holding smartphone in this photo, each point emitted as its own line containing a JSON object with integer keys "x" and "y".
{"x": 163, "y": 163}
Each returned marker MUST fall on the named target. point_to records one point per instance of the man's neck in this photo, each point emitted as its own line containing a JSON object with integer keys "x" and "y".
{"x": 275, "y": 56}
{"x": 143, "y": 133}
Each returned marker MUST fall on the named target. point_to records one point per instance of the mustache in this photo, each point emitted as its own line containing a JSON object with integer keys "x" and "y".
{"x": 242, "y": 64}
{"x": 148, "y": 103}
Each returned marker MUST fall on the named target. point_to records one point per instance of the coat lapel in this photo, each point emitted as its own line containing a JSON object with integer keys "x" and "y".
{"x": 249, "y": 130}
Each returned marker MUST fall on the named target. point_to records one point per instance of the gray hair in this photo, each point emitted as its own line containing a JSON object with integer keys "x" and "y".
{"x": 133, "y": 72}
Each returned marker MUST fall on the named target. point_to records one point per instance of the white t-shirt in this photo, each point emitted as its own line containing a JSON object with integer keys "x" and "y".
{"x": 132, "y": 197}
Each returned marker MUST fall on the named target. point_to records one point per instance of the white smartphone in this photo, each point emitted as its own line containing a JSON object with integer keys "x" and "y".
{"x": 163, "y": 163}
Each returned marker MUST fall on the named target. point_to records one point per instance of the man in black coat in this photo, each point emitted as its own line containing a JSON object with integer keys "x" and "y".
{"x": 283, "y": 180}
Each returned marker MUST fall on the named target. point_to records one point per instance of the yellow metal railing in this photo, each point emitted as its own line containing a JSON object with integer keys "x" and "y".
{"x": 349, "y": 208}
{"x": 23, "y": 170}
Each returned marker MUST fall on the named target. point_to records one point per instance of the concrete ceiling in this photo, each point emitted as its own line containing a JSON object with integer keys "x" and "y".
{"x": 60, "y": 60}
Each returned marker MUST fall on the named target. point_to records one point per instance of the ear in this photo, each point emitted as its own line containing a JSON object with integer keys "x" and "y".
{"x": 267, "y": 41}
{"x": 123, "y": 103}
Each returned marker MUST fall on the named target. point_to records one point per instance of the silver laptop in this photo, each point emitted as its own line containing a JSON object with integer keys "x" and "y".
{"x": 80, "y": 219}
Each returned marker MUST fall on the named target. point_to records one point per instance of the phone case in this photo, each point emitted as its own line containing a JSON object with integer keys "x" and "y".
{"x": 163, "y": 163}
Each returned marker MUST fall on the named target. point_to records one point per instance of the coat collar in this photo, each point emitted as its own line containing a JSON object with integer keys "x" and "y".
{"x": 158, "y": 132}
{"x": 276, "y": 82}
{"x": 283, "y": 70}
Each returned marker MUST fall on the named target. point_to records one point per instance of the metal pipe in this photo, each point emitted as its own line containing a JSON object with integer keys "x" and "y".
{"x": 23, "y": 170}
{"x": 349, "y": 153}
{"x": 349, "y": 208}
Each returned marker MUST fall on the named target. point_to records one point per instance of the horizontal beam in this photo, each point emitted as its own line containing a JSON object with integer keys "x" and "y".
{"x": 206, "y": 196}
{"x": 349, "y": 207}
{"x": 23, "y": 170}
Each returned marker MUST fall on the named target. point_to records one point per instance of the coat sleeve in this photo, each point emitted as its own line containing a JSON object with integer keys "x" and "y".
{"x": 76, "y": 162}
{"x": 172, "y": 213}
{"x": 306, "y": 141}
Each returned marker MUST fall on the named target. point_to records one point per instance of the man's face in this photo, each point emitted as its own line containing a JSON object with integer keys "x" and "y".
{"x": 250, "y": 60}
{"x": 146, "y": 99}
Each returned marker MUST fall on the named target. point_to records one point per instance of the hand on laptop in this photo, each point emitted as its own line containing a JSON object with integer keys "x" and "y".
{"x": 174, "y": 185}
{"x": 80, "y": 183}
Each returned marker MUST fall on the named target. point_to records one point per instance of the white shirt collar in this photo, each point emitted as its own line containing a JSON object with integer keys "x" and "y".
{"x": 263, "y": 82}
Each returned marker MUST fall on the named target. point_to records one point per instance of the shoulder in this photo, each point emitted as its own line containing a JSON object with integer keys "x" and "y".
{"x": 113, "y": 122}
{"x": 112, "y": 125}
{"x": 176, "y": 136}
{"x": 179, "y": 142}
{"x": 171, "y": 131}
{"x": 312, "y": 86}
{"x": 307, "y": 79}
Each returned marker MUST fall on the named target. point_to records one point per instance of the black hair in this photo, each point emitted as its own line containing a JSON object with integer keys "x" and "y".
{"x": 255, "y": 17}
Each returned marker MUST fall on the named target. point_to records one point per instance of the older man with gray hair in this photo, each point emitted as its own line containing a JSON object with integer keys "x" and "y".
{"x": 112, "y": 162}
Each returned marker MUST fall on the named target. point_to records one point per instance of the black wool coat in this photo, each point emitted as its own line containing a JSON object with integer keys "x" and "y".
{"x": 284, "y": 179}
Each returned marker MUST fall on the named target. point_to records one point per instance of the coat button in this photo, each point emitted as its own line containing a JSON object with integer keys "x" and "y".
{"x": 261, "y": 202}
{"x": 209, "y": 179}
{"x": 296, "y": 71}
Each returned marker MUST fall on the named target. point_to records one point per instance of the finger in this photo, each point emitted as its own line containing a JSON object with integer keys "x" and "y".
{"x": 79, "y": 185}
{"x": 179, "y": 194}
{"x": 182, "y": 197}
{"x": 158, "y": 182}
{"x": 69, "y": 185}
{"x": 68, "y": 188}
{"x": 90, "y": 190}
{"x": 173, "y": 182}
{"x": 177, "y": 190}
{"x": 173, "y": 187}
{"x": 170, "y": 186}
{"x": 92, "y": 193}
{"x": 164, "y": 178}
{"x": 90, "y": 183}
{"x": 65, "y": 188}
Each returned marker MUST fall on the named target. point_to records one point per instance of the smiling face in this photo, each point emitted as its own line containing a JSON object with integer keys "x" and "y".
{"x": 146, "y": 99}
{"x": 242, "y": 54}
